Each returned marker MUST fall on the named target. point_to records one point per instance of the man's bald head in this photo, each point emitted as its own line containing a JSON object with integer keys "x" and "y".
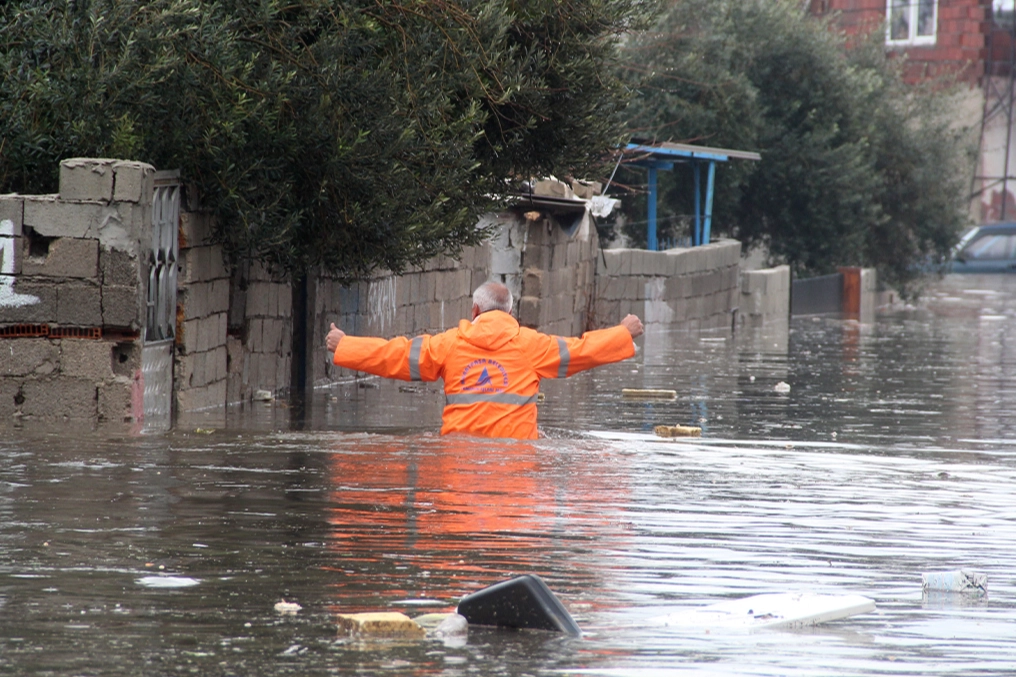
{"x": 491, "y": 296}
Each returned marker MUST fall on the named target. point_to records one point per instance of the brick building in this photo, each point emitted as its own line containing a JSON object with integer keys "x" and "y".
{"x": 970, "y": 42}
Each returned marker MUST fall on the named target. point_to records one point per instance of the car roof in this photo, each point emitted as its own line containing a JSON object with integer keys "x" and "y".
{"x": 1006, "y": 228}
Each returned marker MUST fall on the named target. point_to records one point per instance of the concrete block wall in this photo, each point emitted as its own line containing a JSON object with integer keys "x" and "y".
{"x": 549, "y": 271}
{"x": 203, "y": 283}
{"x": 558, "y": 276}
{"x": 765, "y": 296}
{"x": 425, "y": 300}
{"x": 689, "y": 288}
{"x": 258, "y": 347}
{"x": 72, "y": 294}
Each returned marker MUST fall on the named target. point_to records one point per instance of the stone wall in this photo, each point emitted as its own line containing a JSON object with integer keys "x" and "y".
{"x": 203, "y": 303}
{"x": 765, "y": 296}
{"x": 260, "y": 334}
{"x": 72, "y": 295}
{"x": 691, "y": 288}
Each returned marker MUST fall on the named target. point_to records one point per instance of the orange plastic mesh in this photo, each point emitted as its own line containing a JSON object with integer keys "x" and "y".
{"x": 76, "y": 332}
{"x": 24, "y": 331}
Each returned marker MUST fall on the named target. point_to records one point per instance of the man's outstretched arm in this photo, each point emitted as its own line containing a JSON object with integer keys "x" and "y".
{"x": 401, "y": 357}
{"x": 566, "y": 356}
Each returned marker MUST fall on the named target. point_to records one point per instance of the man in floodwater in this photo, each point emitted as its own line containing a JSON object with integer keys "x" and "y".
{"x": 491, "y": 366}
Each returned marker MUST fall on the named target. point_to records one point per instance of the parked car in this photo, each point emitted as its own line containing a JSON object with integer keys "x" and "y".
{"x": 986, "y": 249}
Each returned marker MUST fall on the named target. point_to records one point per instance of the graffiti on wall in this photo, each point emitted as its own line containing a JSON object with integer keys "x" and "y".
{"x": 9, "y": 297}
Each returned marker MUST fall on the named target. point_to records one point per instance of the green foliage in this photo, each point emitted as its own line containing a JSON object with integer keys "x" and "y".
{"x": 353, "y": 135}
{"x": 857, "y": 168}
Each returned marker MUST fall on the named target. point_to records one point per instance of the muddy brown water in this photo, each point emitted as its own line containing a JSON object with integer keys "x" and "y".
{"x": 892, "y": 454}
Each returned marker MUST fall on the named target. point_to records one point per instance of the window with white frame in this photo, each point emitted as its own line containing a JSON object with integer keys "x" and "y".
{"x": 911, "y": 22}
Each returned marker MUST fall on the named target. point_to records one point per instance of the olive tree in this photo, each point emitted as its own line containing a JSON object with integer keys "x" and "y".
{"x": 354, "y": 135}
{"x": 857, "y": 168}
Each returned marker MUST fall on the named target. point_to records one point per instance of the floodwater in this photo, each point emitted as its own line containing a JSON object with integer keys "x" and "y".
{"x": 893, "y": 454}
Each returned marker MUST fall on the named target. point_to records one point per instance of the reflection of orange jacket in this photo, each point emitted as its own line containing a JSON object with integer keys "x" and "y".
{"x": 491, "y": 368}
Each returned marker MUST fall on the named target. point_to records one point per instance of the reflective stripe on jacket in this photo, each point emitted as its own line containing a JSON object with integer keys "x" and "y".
{"x": 491, "y": 368}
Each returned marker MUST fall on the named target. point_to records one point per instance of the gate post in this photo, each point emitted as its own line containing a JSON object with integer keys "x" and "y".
{"x": 160, "y": 323}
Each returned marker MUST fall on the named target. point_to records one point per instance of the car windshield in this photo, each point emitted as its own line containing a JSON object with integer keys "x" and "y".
{"x": 991, "y": 247}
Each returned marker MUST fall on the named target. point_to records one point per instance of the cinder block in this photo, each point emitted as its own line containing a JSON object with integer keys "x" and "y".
{"x": 12, "y": 208}
{"x": 609, "y": 263}
{"x": 126, "y": 358}
{"x": 9, "y": 390}
{"x": 123, "y": 307}
{"x": 60, "y": 398}
{"x": 609, "y": 288}
{"x": 206, "y": 397}
{"x": 86, "y": 179}
{"x": 388, "y": 624}
{"x": 532, "y": 282}
{"x": 65, "y": 257}
{"x": 711, "y": 282}
{"x": 133, "y": 181}
{"x": 124, "y": 224}
{"x": 186, "y": 372}
{"x": 529, "y": 311}
{"x": 573, "y": 253}
{"x": 557, "y": 281}
{"x": 12, "y": 253}
{"x": 38, "y": 302}
{"x": 118, "y": 267}
{"x": 272, "y": 335}
{"x": 437, "y": 319}
{"x": 266, "y": 372}
{"x": 218, "y": 297}
{"x": 633, "y": 288}
{"x": 28, "y": 356}
{"x": 50, "y": 217}
{"x": 216, "y": 263}
{"x": 553, "y": 188}
{"x": 465, "y": 278}
{"x": 115, "y": 403}
{"x": 283, "y": 371}
{"x": 79, "y": 304}
{"x": 87, "y": 359}
{"x": 195, "y": 229}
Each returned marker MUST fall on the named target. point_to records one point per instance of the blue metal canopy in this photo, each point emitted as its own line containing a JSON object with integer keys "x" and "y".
{"x": 663, "y": 156}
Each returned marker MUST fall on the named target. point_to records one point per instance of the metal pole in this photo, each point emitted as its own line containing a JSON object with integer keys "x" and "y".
{"x": 651, "y": 245}
{"x": 709, "y": 202}
{"x": 697, "y": 238}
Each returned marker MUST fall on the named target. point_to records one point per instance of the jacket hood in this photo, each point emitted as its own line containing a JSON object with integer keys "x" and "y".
{"x": 490, "y": 330}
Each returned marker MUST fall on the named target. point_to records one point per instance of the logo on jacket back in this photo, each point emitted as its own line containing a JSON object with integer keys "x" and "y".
{"x": 484, "y": 376}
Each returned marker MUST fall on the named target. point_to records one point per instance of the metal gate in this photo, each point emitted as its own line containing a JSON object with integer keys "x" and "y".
{"x": 160, "y": 325}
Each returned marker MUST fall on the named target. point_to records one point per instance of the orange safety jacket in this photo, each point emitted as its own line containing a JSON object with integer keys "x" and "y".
{"x": 491, "y": 368}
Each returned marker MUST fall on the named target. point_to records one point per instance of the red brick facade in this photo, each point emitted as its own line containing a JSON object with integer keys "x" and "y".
{"x": 958, "y": 46}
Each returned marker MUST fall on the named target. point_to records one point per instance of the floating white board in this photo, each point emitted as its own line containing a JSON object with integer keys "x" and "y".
{"x": 775, "y": 610}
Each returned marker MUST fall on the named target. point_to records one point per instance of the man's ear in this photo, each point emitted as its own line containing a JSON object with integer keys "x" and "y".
{"x": 476, "y": 311}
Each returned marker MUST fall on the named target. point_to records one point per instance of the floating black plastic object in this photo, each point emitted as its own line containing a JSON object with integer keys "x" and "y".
{"x": 522, "y": 602}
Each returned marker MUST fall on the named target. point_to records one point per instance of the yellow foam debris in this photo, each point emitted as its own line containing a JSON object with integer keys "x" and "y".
{"x": 649, "y": 394}
{"x": 677, "y": 431}
{"x": 380, "y": 624}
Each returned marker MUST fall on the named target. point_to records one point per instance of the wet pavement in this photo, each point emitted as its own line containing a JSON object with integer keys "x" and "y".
{"x": 892, "y": 454}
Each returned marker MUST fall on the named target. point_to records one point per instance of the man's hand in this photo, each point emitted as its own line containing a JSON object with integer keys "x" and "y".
{"x": 334, "y": 336}
{"x": 632, "y": 323}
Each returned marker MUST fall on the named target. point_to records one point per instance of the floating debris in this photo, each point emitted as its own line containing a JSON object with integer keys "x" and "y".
{"x": 380, "y": 624}
{"x": 167, "y": 581}
{"x": 648, "y": 394}
{"x": 782, "y": 387}
{"x": 287, "y": 608}
{"x": 677, "y": 431}
{"x": 263, "y": 396}
{"x": 963, "y": 580}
